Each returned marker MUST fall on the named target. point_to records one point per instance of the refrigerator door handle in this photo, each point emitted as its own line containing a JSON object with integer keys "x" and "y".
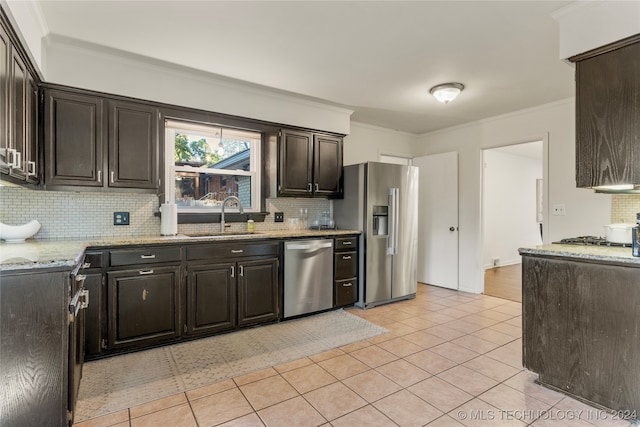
{"x": 396, "y": 220}
{"x": 392, "y": 240}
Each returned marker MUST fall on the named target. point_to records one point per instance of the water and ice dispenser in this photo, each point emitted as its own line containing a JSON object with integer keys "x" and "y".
{"x": 380, "y": 220}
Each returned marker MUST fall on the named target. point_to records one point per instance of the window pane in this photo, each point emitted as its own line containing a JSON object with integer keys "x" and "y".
{"x": 204, "y": 190}
{"x": 228, "y": 149}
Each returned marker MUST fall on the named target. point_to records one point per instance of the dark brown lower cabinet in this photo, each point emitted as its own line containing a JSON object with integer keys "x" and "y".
{"x": 144, "y": 306}
{"x": 34, "y": 348}
{"x": 211, "y": 300}
{"x": 581, "y": 329}
{"x": 95, "y": 315}
{"x": 345, "y": 271}
{"x": 257, "y": 291}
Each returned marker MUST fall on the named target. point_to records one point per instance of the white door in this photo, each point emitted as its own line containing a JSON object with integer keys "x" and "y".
{"x": 438, "y": 220}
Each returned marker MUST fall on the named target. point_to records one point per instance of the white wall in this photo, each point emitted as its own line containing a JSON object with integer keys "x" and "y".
{"x": 366, "y": 143}
{"x": 509, "y": 205}
{"x": 555, "y": 123}
{"x": 587, "y": 25}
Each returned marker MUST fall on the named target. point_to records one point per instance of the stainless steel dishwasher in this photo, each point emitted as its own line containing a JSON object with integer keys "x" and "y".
{"x": 308, "y": 276}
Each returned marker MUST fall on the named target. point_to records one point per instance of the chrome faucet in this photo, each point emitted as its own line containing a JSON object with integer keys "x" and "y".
{"x": 224, "y": 203}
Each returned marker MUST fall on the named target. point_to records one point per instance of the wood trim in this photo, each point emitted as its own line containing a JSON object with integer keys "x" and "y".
{"x": 606, "y": 48}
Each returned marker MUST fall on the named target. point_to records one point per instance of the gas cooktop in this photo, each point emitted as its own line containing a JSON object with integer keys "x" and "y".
{"x": 590, "y": 241}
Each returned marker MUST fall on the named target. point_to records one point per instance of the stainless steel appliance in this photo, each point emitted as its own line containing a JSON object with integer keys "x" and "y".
{"x": 308, "y": 276}
{"x": 381, "y": 200}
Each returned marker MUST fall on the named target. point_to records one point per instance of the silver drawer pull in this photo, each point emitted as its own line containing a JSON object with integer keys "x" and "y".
{"x": 86, "y": 265}
{"x": 152, "y": 256}
{"x": 240, "y": 270}
{"x": 31, "y": 168}
{"x": 143, "y": 272}
{"x": 85, "y": 299}
{"x": 236, "y": 251}
{"x": 346, "y": 285}
{"x": 346, "y": 257}
{"x": 80, "y": 278}
{"x": 233, "y": 271}
{"x": 347, "y": 243}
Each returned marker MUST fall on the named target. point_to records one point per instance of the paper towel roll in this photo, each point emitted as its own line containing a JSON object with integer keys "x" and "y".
{"x": 168, "y": 219}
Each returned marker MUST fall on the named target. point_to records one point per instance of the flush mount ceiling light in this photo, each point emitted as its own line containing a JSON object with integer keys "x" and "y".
{"x": 446, "y": 92}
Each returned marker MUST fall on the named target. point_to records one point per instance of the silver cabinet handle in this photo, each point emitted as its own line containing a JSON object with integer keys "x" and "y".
{"x": 85, "y": 299}
{"x": 152, "y": 256}
{"x": 309, "y": 188}
{"x": 240, "y": 271}
{"x": 236, "y": 251}
{"x": 144, "y": 272}
{"x": 347, "y": 243}
{"x": 80, "y": 278}
{"x": 86, "y": 265}
{"x": 346, "y": 285}
{"x": 31, "y": 168}
{"x": 233, "y": 271}
{"x": 18, "y": 163}
{"x": 112, "y": 173}
{"x": 317, "y": 187}
{"x": 346, "y": 257}
{"x": 99, "y": 176}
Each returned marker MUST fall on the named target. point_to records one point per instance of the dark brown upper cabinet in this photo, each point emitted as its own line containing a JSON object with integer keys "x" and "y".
{"x": 133, "y": 145}
{"x": 98, "y": 142}
{"x": 310, "y": 164}
{"x": 18, "y": 110}
{"x": 73, "y": 139}
{"x": 608, "y": 115}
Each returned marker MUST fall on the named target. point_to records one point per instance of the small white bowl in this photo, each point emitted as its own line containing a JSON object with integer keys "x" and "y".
{"x": 17, "y": 233}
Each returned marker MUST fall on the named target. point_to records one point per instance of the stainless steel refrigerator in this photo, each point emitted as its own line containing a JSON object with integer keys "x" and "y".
{"x": 381, "y": 200}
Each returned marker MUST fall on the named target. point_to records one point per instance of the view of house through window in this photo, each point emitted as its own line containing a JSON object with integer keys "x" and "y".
{"x": 211, "y": 163}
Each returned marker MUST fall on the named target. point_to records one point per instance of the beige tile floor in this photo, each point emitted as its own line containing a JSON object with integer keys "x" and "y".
{"x": 451, "y": 359}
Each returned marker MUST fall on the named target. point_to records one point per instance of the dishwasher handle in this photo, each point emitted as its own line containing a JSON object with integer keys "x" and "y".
{"x": 303, "y": 246}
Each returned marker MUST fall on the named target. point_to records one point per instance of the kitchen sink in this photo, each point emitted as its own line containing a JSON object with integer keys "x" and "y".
{"x": 220, "y": 234}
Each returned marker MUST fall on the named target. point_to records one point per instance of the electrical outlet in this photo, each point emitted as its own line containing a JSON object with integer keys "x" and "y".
{"x": 558, "y": 210}
{"x": 121, "y": 218}
{"x": 278, "y": 217}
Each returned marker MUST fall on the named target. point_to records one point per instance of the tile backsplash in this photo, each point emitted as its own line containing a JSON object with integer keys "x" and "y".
{"x": 78, "y": 215}
{"x": 624, "y": 208}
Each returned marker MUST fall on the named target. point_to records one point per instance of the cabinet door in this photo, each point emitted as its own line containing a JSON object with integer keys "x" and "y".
{"x": 133, "y": 145}
{"x": 257, "y": 291}
{"x": 73, "y": 139}
{"x": 327, "y": 165}
{"x": 143, "y": 306}
{"x": 94, "y": 315}
{"x": 211, "y": 299}
{"x": 296, "y": 160}
{"x": 4, "y": 99}
{"x": 608, "y": 118}
{"x": 17, "y": 108}
{"x": 31, "y": 140}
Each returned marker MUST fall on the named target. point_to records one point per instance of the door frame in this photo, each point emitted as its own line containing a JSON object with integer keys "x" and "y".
{"x": 545, "y": 196}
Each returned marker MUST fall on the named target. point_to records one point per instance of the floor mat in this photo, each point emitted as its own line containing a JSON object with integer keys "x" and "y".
{"x": 120, "y": 382}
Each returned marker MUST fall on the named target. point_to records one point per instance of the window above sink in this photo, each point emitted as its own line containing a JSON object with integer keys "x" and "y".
{"x": 207, "y": 163}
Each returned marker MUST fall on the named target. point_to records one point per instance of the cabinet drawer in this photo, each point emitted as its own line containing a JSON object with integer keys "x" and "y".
{"x": 345, "y": 292}
{"x": 94, "y": 259}
{"x": 232, "y": 250}
{"x": 346, "y": 264}
{"x": 148, "y": 255}
{"x": 347, "y": 243}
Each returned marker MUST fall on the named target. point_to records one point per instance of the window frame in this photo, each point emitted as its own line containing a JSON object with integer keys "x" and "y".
{"x": 171, "y": 125}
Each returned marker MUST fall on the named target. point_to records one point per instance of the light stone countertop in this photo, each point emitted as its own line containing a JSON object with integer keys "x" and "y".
{"x": 34, "y": 253}
{"x": 604, "y": 254}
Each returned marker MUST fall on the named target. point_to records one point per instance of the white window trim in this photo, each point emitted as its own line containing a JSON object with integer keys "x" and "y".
{"x": 170, "y": 168}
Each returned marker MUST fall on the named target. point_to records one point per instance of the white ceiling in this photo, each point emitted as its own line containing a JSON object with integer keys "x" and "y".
{"x": 378, "y": 58}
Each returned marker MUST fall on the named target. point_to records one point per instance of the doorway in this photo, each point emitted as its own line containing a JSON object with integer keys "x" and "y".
{"x": 511, "y": 214}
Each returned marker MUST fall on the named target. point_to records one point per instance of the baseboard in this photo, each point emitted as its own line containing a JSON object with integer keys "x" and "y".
{"x": 503, "y": 264}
